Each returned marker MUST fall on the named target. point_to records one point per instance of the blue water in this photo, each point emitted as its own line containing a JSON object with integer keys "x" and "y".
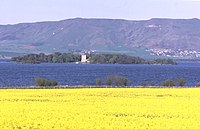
{"x": 12, "y": 74}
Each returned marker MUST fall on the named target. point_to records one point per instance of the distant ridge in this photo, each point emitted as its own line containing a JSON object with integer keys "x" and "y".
{"x": 101, "y": 34}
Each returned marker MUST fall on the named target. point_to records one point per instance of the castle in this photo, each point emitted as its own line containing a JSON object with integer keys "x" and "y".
{"x": 84, "y": 59}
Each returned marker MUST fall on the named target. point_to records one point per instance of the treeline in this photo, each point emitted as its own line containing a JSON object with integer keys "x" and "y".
{"x": 120, "y": 81}
{"x": 125, "y": 59}
{"x": 51, "y": 58}
{"x": 163, "y": 61}
{"x": 114, "y": 81}
{"x": 45, "y": 82}
{"x": 115, "y": 59}
{"x": 93, "y": 59}
{"x": 180, "y": 82}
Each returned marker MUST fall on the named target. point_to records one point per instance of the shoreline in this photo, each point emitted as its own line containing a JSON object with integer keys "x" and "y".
{"x": 94, "y": 87}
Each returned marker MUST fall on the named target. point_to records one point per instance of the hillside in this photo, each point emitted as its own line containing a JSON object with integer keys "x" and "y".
{"x": 106, "y": 35}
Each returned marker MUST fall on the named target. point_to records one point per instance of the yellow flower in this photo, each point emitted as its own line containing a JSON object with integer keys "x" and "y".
{"x": 104, "y": 108}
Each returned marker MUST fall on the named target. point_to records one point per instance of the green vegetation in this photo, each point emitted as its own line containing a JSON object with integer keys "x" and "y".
{"x": 163, "y": 61}
{"x": 171, "y": 83}
{"x": 93, "y": 59}
{"x": 143, "y": 84}
{"x": 114, "y": 81}
{"x": 54, "y": 83}
{"x": 51, "y": 58}
{"x": 98, "y": 82}
{"x": 109, "y": 81}
{"x": 198, "y": 84}
{"x": 152, "y": 84}
{"x": 181, "y": 82}
{"x": 45, "y": 82}
{"x": 168, "y": 83}
{"x": 115, "y": 59}
{"x": 120, "y": 81}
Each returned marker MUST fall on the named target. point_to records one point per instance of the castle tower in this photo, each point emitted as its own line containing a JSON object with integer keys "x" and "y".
{"x": 83, "y": 58}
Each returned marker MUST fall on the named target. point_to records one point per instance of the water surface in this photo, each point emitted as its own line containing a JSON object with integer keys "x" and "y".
{"x": 12, "y": 74}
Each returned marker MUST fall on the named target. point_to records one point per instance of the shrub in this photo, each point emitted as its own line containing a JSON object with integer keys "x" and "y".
{"x": 117, "y": 80}
{"x": 171, "y": 83}
{"x": 152, "y": 84}
{"x": 40, "y": 81}
{"x": 54, "y": 83}
{"x": 198, "y": 84}
{"x": 168, "y": 83}
{"x": 109, "y": 81}
{"x": 98, "y": 82}
{"x": 181, "y": 82}
{"x": 125, "y": 81}
{"x": 143, "y": 84}
{"x": 45, "y": 82}
{"x": 121, "y": 82}
{"x": 164, "y": 83}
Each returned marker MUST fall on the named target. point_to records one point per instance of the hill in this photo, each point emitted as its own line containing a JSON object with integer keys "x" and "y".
{"x": 103, "y": 35}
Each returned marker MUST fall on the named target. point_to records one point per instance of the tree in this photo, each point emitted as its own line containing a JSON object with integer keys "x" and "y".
{"x": 164, "y": 61}
{"x": 121, "y": 82}
{"x": 109, "y": 81}
{"x": 118, "y": 81}
{"x": 152, "y": 84}
{"x": 115, "y": 59}
{"x": 98, "y": 82}
{"x": 54, "y": 83}
{"x": 45, "y": 82}
{"x": 125, "y": 81}
{"x": 198, "y": 84}
{"x": 181, "y": 82}
{"x": 55, "y": 58}
{"x": 143, "y": 84}
{"x": 50, "y": 58}
{"x": 171, "y": 83}
{"x": 164, "y": 83}
{"x": 40, "y": 81}
{"x": 168, "y": 83}
{"x": 42, "y": 57}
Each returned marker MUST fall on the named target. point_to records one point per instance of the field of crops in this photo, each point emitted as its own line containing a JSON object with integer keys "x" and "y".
{"x": 100, "y": 108}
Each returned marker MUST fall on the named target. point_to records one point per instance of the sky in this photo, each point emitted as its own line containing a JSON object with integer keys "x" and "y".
{"x": 20, "y": 11}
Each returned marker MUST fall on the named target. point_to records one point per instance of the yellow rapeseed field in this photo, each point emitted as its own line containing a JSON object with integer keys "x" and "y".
{"x": 128, "y": 108}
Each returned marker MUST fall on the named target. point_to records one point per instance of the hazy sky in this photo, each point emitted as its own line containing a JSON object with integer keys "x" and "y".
{"x": 17, "y": 11}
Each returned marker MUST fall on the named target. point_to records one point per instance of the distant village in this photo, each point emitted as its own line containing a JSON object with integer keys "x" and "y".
{"x": 157, "y": 52}
{"x": 174, "y": 53}
{"x": 2, "y": 57}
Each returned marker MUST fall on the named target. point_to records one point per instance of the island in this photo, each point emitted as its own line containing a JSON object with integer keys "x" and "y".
{"x": 58, "y": 57}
